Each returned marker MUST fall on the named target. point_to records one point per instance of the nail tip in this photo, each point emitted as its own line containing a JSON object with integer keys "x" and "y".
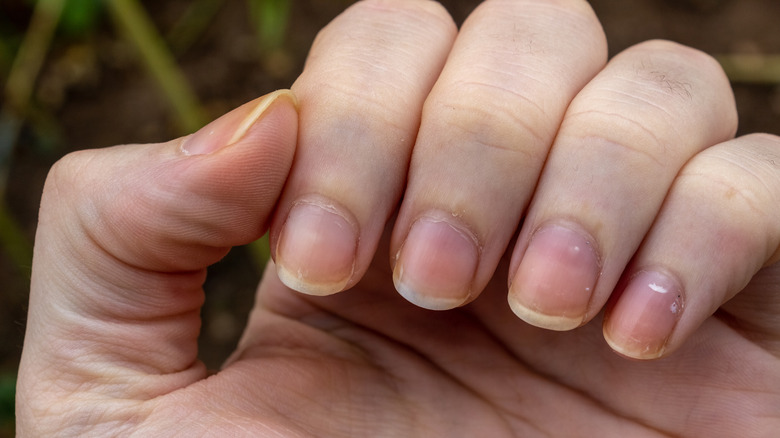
{"x": 548, "y": 322}
{"x": 259, "y": 110}
{"x": 299, "y": 284}
{"x": 627, "y": 353}
{"x": 426, "y": 302}
{"x": 226, "y": 131}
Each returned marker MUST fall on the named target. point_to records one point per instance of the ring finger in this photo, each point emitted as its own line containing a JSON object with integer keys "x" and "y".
{"x": 623, "y": 140}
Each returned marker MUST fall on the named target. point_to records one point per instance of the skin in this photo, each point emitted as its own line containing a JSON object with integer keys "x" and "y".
{"x": 559, "y": 207}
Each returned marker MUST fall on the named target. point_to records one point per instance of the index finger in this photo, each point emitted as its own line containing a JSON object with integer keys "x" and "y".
{"x": 360, "y": 96}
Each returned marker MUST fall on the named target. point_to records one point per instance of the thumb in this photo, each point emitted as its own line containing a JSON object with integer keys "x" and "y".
{"x": 124, "y": 237}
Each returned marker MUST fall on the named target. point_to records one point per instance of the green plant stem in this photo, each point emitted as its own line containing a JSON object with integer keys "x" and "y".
{"x": 134, "y": 22}
{"x": 754, "y": 69}
{"x": 22, "y": 76}
{"x": 32, "y": 53}
{"x": 18, "y": 90}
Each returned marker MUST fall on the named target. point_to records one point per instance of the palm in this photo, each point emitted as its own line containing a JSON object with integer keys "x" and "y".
{"x": 367, "y": 363}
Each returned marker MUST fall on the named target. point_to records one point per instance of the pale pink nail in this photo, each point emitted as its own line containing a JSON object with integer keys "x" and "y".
{"x": 317, "y": 248}
{"x": 555, "y": 280}
{"x": 645, "y": 315}
{"x": 436, "y": 264}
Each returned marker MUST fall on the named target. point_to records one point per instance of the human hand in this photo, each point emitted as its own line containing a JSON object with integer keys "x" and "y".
{"x": 631, "y": 162}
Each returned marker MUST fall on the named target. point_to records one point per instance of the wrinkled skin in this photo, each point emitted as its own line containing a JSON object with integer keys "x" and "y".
{"x": 637, "y": 155}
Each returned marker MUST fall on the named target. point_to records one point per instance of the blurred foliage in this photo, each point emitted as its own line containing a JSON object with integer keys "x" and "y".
{"x": 133, "y": 21}
{"x": 14, "y": 242}
{"x": 270, "y": 19}
{"x": 80, "y": 17}
{"x": 5, "y": 57}
{"x": 23, "y": 54}
{"x": 7, "y": 395}
{"x": 17, "y": 94}
{"x": 196, "y": 18}
{"x": 751, "y": 68}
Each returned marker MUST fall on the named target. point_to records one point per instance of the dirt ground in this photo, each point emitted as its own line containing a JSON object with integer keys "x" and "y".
{"x": 107, "y": 100}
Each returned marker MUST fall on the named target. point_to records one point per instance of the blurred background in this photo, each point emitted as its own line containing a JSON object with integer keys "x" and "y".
{"x": 79, "y": 74}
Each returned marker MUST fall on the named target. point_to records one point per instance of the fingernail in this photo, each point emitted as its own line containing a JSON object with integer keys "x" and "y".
{"x": 554, "y": 283}
{"x": 642, "y": 320}
{"x": 436, "y": 264}
{"x": 232, "y": 127}
{"x": 317, "y": 247}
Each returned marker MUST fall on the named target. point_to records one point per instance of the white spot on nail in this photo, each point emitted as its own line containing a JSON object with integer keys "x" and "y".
{"x": 657, "y": 288}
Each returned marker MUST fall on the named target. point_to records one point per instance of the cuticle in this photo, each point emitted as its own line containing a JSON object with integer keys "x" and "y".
{"x": 457, "y": 224}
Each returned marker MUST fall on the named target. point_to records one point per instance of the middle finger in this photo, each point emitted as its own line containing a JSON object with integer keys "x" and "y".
{"x": 487, "y": 127}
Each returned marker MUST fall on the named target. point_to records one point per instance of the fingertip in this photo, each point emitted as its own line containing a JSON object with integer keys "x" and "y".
{"x": 317, "y": 247}
{"x": 556, "y": 278}
{"x": 234, "y": 126}
{"x": 538, "y": 319}
{"x": 298, "y": 282}
{"x": 426, "y": 301}
{"x": 643, "y": 318}
{"x": 437, "y": 263}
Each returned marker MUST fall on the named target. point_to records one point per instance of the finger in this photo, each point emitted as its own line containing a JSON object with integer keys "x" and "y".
{"x": 124, "y": 237}
{"x": 486, "y": 130}
{"x": 622, "y": 141}
{"x": 719, "y": 226}
{"x": 361, "y": 94}
{"x": 756, "y": 308}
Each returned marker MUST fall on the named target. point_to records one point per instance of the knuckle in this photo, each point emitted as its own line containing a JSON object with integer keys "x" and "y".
{"x": 481, "y": 113}
{"x": 669, "y": 47}
{"x": 388, "y": 23}
{"x": 675, "y": 52}
{"x": 742, "y": 177}
{"x": 574, "y": 10}
{"x": 770, "y": 143}
{"x": 734, "y": 207}
{"x": 429, "y": 9}
{"x": 66, "y": 178}
{"x": 678, "y": 70}
{"x": 627, "y": 136}
{"x": 382, "y": 65}
{"x": 673, "y": 94}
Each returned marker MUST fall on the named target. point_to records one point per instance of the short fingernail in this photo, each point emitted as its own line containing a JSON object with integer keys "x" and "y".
{"x": 436, "y": 265}
{"x": 642, "y": 320}
{"x": 554, "y": 283}
{"x": 232, "y": 127}
{"x": 317, "y": 247}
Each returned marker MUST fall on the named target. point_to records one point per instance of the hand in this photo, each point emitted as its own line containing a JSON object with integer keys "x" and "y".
{"x": 629, "y": 186}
